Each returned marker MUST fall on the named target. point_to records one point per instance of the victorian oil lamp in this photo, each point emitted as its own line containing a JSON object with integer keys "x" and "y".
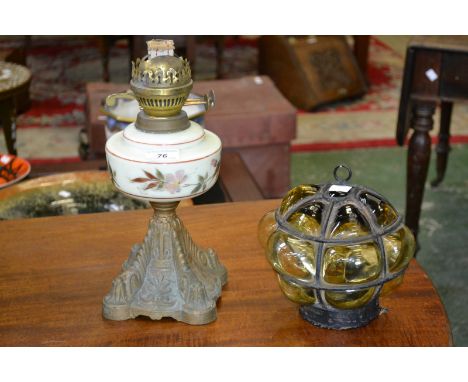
{"x": 335, "y": 248}
{"x": 164, "y": 158}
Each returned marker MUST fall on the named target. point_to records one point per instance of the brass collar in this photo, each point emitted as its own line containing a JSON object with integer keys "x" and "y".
{"x": 170, "y": 124}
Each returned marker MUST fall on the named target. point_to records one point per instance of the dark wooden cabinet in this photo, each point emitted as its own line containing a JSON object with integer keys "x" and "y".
{"x": 313, "y": 70}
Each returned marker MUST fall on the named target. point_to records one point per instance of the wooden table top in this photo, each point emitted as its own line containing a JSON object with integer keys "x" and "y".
{"x": 441, "y": 43}
{"x": 55, "y": 271}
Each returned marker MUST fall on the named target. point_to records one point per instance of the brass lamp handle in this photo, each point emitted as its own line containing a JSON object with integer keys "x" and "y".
{"x": 208, "y": 100}
{"x": 111, "y": 100}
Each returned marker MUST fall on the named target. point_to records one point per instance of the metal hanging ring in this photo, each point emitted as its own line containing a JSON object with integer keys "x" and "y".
{"x": 337, "y": 177}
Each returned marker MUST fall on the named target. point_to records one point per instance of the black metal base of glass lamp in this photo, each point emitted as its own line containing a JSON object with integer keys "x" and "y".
{"x": 340, "y": 319}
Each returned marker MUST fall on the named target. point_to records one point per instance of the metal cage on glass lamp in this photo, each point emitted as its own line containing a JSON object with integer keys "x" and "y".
{"x": 335, "y": 248}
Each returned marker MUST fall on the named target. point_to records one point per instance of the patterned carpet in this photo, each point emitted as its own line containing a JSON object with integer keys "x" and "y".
{"x": 371, "y": 120}
{"x": 62, "y": 65}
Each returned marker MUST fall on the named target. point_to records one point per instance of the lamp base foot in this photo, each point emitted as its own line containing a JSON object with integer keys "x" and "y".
{"x": 341, "y": 319}
{"x": 167, "y": 275}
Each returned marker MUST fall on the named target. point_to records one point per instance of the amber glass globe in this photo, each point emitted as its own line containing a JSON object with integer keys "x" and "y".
{"x": 335, "y": 248}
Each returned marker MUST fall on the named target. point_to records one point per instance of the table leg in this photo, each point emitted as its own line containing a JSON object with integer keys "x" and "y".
{"x": 419, "y": 153}
{"x": 443, "y": 146}
{"x": 191, "y": 50}
{"x": 8, "y": 123}
{"x": 219, "y": 45}
{"x": 104, "y": 43}
{"x": 361, "y": 52}
{"x": 131, "y": 51}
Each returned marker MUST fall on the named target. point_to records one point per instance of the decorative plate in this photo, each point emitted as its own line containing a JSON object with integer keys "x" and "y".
{"x": 12, "y": 169}
{"x": 68, "y": 193}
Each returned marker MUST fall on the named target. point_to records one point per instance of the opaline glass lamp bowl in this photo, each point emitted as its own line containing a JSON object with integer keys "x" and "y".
{"x": 335, "y": 248}
{"x": 164, "y": 167}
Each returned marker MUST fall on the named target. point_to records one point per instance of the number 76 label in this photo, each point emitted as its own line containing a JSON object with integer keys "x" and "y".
{"x": 163, "y": 154}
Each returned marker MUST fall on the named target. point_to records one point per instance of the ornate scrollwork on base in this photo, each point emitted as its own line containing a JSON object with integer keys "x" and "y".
{"x": 167, "y": 275}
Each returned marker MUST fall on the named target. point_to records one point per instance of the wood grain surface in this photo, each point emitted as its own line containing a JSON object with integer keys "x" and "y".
{"x": 54, "y": 273}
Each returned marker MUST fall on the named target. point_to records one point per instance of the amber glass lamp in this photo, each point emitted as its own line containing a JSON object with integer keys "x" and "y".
{"x": 336, "y": 248}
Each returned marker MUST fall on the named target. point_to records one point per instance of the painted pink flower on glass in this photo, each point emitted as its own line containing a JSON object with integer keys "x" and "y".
{"x": 172, "y": 182}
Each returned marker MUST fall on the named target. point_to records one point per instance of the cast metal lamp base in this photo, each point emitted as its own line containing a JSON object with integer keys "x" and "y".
{"x": 167, "y": 275}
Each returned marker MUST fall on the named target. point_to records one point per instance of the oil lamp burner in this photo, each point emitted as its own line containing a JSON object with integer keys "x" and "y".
{"x": 164, "y": 158}
{"x": 335, "y": 248}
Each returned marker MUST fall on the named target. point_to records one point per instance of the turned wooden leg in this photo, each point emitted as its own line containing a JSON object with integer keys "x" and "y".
{"x": 131, "y": 52}
{"x": 443, "y": 146}
{"x": 8, "y": 123}
{"x": 419, "y": 153}
{"x": 361, "y": 52}
{"x": 104, "y": 47}
{"x": 219, "y": 44}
